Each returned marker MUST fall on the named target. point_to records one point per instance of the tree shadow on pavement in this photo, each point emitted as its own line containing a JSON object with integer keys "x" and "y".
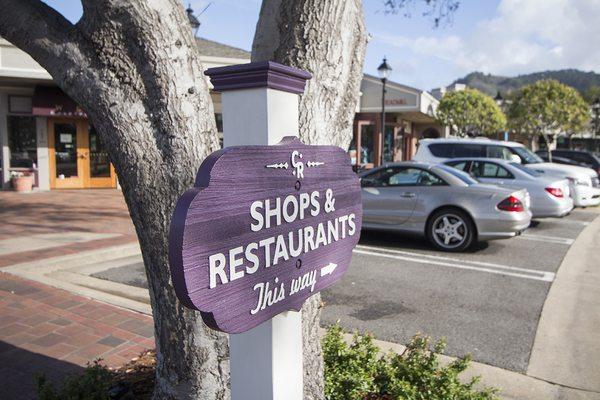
{"x": 19, "y": 367}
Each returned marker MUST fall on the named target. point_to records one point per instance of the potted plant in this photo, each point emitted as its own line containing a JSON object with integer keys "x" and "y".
{"x": 21, "y": 181}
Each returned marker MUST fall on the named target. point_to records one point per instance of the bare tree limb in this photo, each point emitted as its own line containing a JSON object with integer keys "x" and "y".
{"x": 440, "y": 11}
{"x": 47, "y": 36}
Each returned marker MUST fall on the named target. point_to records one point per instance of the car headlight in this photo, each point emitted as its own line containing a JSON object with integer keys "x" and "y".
{"x": 579, "y": 181}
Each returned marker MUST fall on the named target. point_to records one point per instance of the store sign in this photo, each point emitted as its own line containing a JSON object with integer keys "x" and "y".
{"x": 395, "y": 102}
{"x": 264, "y": 228}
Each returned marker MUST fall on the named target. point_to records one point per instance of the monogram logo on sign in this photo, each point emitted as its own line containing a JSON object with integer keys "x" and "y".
{"x": 296, "y": 164}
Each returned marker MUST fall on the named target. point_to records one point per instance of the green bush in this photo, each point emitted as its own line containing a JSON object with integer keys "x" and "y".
{"x": 355, "y": 372}
{"x": 93, "y": 384}
{"x": 352, "y": 372}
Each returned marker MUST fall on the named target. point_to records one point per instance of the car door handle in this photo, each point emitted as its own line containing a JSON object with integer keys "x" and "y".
{"x": 408, "y": 195}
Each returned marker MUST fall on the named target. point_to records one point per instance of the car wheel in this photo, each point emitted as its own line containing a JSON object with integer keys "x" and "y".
{"x": 450, "y": 230}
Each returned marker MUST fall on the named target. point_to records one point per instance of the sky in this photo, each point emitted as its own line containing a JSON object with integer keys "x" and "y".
{"x": 501, "y": 37}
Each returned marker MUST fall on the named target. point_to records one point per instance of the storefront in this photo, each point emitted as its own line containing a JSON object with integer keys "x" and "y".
{"x": 46, "y": 134}
{"x": 409, "y": 117}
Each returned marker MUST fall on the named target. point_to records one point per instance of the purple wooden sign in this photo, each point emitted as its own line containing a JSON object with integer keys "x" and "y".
{"x": 264, "y": 228}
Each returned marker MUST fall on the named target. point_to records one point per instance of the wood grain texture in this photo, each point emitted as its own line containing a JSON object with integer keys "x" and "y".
{"x": 214, "y": 217}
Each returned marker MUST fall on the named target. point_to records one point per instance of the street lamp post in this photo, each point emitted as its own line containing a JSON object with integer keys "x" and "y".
{"x": 384, "y": 71}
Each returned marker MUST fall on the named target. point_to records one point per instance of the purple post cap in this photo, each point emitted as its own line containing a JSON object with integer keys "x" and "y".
{"x": 267, "y": 74}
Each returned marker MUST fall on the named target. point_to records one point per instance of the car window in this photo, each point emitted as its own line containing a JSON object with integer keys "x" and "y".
{"x": 405, "y": 177}
{"x": 498, "y": 152}
{"x": 463, "y": 176}
{"x": 582, "y": 158}
{"x": 428, "y": 179}
{"x": 457, "y": 150}
{"x": 462, "y": 165}
{"x": 378, "y": 177}
{"x": 528, "y": 171}
{"x": 526, "y": 155}
{"x": 468, "y": 150}
{"x": 443, "y": 150}
{"x": 401, "y": 176}
{"x": 481, "y": 169}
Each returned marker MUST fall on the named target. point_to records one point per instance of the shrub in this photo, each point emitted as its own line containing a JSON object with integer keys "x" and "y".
{"x": 355, "y": 371}
{"x": 93, "y": 384}
{"x": 131, "y": 381}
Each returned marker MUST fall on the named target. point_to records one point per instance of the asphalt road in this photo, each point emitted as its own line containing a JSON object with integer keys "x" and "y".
{"x": 486, "y": 302}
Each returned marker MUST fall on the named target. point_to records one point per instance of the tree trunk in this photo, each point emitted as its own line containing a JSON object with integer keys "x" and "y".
{"x": 327, "y": 39}
{"x": 133, "y": 67}
{"x": 547, "y": 141}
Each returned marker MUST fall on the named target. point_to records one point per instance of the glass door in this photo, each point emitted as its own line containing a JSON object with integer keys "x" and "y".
{"x": 367, "y": 153}
{"x": 77, "y": 157}
{"x": 65, "y": 152}
{"x": 388, "y": 143}
{"x": 101, "y": 172}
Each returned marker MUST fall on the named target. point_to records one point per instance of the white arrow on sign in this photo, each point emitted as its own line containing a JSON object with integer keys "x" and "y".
{"x": 328, "y": 269}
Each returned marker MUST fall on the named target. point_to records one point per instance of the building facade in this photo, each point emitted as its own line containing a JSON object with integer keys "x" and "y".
{"x": 45, "y": 133}
{"x": 409, "y": 116}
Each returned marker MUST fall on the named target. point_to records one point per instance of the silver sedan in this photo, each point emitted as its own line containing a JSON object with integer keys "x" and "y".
{"x": 446, "y": 205}
{"x": 549, "y": 195}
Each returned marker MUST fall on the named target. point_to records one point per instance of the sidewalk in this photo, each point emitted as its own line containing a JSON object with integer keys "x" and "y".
{"x": 62, "y": 222}
{"x": 50, "y": 331}
{"x": 566, "y": 350}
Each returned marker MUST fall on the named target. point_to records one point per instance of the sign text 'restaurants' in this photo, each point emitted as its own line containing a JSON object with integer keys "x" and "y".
{"x": 264, "y": 228}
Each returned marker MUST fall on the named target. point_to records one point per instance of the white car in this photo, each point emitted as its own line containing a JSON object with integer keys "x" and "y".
{"x": 550, "y": 197}
{"x": 584, "y": 183}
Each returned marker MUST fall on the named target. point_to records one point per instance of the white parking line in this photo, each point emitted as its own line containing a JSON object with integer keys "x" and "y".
{"x": 573, "y": 221}
{"x": 456, "y": 263}
{"x": 548, "y": 239}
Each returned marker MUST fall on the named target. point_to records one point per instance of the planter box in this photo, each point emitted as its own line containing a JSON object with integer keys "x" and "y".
{"x": 22, "y": 183}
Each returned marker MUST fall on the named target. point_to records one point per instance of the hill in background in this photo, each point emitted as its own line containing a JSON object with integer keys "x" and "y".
{"x": 491, "y": 84}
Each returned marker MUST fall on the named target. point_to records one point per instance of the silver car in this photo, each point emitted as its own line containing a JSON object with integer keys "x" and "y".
{"x": 550, "y": 196}
{"x": 442, "y": 203}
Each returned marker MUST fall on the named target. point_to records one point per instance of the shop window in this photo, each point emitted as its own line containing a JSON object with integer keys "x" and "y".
{"x": 367, "y": 144}
{"x": 22, "y": 142}
{"x": 388, "y": 144}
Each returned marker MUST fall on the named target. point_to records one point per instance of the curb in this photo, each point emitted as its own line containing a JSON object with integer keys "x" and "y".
{"x": 566, "y": 348}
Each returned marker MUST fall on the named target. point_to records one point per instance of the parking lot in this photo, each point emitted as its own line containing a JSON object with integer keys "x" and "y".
{"x": 486, "y": 301}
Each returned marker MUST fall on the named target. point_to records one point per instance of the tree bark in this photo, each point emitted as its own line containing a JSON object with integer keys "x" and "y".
{"x": 327, "y": 39}
{"x": 133, "y": 67}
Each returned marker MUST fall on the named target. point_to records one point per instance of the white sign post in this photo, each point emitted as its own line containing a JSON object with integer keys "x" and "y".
{"x": 260, "y": 107}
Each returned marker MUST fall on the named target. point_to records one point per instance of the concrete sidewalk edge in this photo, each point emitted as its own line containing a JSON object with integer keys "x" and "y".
{"x": 566, "y": 349}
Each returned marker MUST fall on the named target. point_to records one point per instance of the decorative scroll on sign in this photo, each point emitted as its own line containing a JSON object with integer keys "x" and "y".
{"x": 264, "y": 228}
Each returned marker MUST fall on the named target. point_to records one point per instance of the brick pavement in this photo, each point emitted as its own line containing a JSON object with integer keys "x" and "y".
{"x": 50, "y": 331}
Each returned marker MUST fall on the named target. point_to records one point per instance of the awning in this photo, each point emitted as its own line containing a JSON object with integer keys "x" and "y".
{"x": 50, "y": 101}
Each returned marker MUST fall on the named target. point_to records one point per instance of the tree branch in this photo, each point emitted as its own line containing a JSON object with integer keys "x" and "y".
{"x": 39, "y": 30}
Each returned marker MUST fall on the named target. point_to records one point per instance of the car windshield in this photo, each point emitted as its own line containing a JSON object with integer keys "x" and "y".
{"x": 525, "y": 169}
{"x": 528, "y": 156}
{"x": 463, "y": 176}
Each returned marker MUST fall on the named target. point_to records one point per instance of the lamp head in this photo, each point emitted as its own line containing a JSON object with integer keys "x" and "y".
{"x": 384, "y": 69}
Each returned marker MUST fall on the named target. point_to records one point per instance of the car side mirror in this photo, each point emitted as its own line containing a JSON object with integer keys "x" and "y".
{"x": 515, "y": 158}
